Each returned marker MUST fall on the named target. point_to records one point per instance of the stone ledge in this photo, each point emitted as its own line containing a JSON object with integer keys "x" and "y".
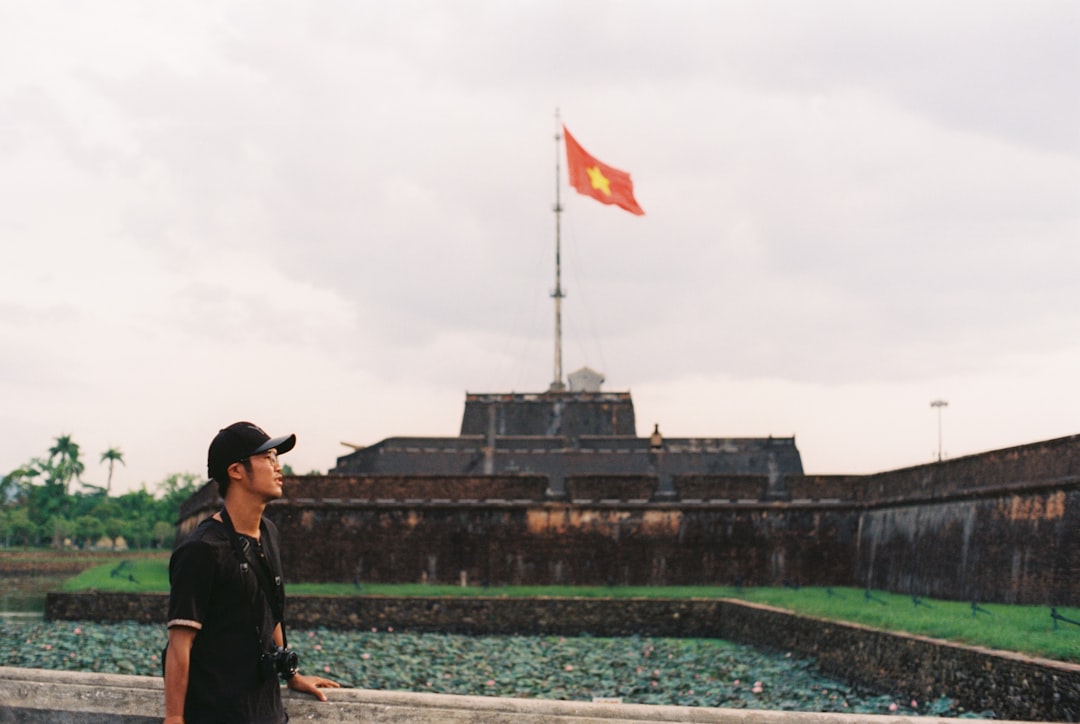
{"x": 33, "y": 696}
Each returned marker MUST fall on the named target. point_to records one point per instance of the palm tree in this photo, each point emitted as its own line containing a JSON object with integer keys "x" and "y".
{"x": 113, "y": 455}
{"x": 14, "y": 484}
{"x": 67, "y": 465}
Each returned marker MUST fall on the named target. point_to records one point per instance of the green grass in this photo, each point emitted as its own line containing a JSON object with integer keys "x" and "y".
{"x": 1023, "y": 629}
{"x": 139, "y": 575}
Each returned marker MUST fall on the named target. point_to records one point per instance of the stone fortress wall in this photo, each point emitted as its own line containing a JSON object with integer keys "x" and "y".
{"x": 1001, "y": 526}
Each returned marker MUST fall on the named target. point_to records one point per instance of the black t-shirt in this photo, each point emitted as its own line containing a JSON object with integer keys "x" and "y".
{"x": 210, "y": 593}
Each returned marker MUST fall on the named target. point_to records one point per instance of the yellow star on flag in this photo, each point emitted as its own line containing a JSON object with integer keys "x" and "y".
{"x": 591, "y": 177}
{"x": 598, "y": 180}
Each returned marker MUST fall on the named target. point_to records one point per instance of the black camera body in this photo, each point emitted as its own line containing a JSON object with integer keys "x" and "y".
{"x": 281, "y": 662}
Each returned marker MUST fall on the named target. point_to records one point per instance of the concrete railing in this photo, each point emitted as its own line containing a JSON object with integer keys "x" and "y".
{"x": 37, "y": 696}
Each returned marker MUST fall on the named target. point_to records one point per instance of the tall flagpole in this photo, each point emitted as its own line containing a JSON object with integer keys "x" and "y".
{"x": 557, "y": 385}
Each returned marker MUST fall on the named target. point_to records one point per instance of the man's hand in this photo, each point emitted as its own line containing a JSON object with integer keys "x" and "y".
{"x": 311, "y": 685}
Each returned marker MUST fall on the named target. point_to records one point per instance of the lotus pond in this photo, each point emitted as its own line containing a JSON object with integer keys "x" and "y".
{"x": 685, "y": 672}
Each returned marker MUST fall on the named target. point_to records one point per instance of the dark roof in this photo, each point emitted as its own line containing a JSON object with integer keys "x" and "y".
{"x": 566, "y": 433}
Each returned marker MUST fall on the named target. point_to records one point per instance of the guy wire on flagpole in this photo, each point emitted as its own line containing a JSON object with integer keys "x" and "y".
{"x": 557, "y": 385}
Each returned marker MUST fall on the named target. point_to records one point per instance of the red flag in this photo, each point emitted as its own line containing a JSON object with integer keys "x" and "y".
{"x": 602, "y": 182}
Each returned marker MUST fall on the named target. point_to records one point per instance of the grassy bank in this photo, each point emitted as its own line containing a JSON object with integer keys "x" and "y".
{"x": 1023, "y": 629}
{"x": 27, "y": 574}
{"x": 141, "y": 575}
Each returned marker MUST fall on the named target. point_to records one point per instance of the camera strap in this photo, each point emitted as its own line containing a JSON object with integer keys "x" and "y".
{"x": 273, "y": 595}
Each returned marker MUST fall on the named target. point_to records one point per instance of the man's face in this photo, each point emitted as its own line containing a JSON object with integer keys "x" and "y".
{"x": 265, "y": 476}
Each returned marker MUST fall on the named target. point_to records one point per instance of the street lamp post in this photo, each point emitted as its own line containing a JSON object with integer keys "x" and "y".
{"x": 939, "y": 404}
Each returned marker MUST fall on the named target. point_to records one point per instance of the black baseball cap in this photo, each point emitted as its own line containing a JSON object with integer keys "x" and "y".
{"x": 238, "y": 441}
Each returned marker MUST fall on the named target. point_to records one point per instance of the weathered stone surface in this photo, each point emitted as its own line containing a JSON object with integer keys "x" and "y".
{"x": 1010, "y": 548}
{"x": 34, "y": 696}
{"x": 603, "y": 543}
{"x": 1001, "y": 526}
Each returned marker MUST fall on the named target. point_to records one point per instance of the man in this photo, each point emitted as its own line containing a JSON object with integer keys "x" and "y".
{"x": 227, "y": 644}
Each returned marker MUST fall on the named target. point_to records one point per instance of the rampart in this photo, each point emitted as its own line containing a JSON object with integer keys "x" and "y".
{"x": 1002, "y": 526}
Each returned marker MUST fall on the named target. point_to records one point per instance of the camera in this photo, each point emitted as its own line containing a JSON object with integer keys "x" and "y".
{"x": 279, "y": 662}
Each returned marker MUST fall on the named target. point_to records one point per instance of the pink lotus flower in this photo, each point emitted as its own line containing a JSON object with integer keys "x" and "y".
{"x": 894, "y": 706}
{"x": 318, "y": 647}
{"x": 78, "y": 631}
{"x": 326, "y": 669}
{"x": 914, "y": 704}
{"x": 569, "y": 667}
{"x": 491, "y": 682}
{"x": 365, "y": 656}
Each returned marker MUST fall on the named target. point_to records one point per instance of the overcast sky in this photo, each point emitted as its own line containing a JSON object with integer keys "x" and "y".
{"x": 335, "y": 218}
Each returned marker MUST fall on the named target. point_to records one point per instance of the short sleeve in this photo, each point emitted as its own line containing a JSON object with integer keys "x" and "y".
{"x": 192, "y": 570}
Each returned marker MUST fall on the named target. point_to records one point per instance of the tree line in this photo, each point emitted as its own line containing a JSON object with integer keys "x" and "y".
{"x": 39, "y": 508}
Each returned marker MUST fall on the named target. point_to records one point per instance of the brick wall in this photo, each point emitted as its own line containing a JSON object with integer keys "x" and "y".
{"x": 1001, "y": 526}
{"x": 1050, "y": 462}
{"x": 725, "y": 488}
{"x": 1022, "y": 548}
{"x": 563, "y": 543}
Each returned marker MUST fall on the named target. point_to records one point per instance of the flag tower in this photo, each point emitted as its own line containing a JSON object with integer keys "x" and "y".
{"x": 595, "y": 179}
{"x": 557, "y": 383}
